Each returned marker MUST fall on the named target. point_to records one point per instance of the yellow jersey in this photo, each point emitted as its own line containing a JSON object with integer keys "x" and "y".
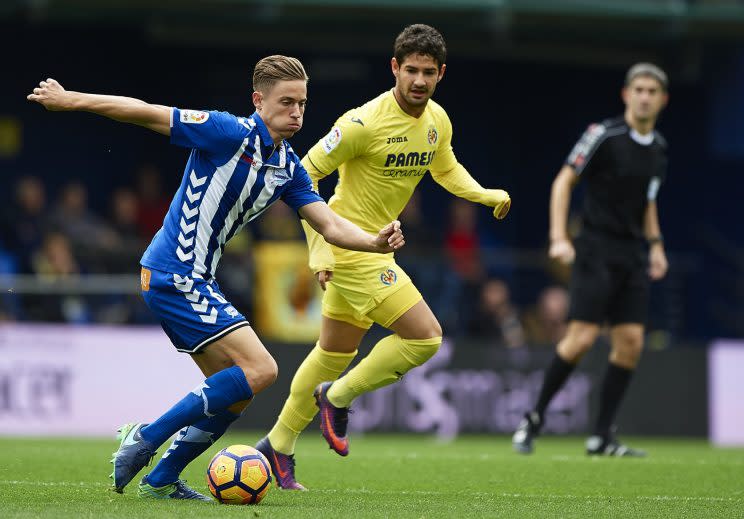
{"x": 381, "y": 154}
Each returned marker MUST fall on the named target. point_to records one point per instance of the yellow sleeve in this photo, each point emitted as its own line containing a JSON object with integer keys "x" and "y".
{"x": 459, "y": 182}
{"x": 320, "y": 253}
{"x": 348, "y": 138}
{"x": 453, "y": 177}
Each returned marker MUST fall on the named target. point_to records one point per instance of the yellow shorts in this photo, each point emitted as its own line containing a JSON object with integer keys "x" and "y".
{"x": 375, "y": 290}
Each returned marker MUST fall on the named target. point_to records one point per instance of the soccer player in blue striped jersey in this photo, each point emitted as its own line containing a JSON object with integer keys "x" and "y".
{"x": 237, "y": 168}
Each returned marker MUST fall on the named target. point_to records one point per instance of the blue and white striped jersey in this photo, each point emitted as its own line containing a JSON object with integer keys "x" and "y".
{"x": 233, "y": 174}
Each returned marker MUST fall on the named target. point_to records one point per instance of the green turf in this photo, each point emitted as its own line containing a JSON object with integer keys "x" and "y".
{"x": 400, "y": 476}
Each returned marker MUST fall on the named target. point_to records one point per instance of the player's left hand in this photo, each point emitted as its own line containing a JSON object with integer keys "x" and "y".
{"x": 324, "y": 277}
{"x": 500, "y": 201}
{"x": 657, "y": 262}
{"x": 51, "y": 95}
{"x": 390, "y": 237}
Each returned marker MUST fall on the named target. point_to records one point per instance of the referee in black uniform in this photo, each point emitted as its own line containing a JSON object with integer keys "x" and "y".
{"x": 622, "y": 163}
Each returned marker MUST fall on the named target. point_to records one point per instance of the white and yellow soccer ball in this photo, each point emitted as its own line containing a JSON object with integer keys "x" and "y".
{"x": 239, "y": 475}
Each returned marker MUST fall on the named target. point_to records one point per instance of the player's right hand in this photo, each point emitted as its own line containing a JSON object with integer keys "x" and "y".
{"x": 51, "y": 95}
{"x": 324, "y": 276}
{"x": 562, "y": 250}
{"x": 390, "y": 238}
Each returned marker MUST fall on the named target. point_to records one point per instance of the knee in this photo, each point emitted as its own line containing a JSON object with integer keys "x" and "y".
{"x": 262, "y": 373}
{"x": 626, "y": 350}
{"x": 573, "y": 347}
{"x": 419, "y": 351}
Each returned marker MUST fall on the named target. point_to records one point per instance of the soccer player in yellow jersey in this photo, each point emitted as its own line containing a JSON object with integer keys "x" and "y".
{"x": 381, "y": 150}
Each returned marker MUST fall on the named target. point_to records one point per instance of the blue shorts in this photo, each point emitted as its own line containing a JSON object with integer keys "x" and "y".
{"x": 193, "y": 312}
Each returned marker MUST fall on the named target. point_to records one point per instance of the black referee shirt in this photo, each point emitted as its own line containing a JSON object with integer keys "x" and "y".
{"x": 622, "y": 171}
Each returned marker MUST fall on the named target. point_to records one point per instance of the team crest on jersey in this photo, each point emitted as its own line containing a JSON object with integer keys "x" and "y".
{"x": 388, "y": 277}
{"x": 331, "y": 140}
{"x": 276, "y": 177}
{"x": 194, "y": 116}
{"x": 432, "y": 135}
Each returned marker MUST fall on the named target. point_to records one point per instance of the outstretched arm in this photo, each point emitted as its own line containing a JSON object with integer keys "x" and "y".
{"x": 54, "y": 97}
{"x": 341, "y": 232}
{"x": 459, "y": 182}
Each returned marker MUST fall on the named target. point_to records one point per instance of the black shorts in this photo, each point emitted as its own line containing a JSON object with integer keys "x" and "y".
{"x": 609, "y": 282}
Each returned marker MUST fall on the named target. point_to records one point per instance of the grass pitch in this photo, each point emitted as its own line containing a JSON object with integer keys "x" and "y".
{"x": 399, "y": 476}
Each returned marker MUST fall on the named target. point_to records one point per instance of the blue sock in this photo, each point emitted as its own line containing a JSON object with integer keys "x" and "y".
{"x": 215, "y": 394}
{"x": 190, "y": 442}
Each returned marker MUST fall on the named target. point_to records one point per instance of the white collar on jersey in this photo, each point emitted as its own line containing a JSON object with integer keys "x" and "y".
{"x": 644, "y": 140}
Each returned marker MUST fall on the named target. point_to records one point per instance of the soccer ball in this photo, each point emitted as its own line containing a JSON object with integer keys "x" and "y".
{"x": 239, "y": 475}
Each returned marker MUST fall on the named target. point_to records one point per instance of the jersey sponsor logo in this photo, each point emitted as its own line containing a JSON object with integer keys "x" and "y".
{"x": 388, "y": 277}
{"x": 331, "y": 140}
{"x": 276, "y": 177}
{"x": 413, "y": 158}
{"x": 357, "y": 120}
{"x": 231, "y": 311}
{"x": 145, "y": 275}
{"x": 432, "y": 135}
{"x": 194, "y": 116}
{"x": 402, "y": 173}
{"x": 393, "y": 140}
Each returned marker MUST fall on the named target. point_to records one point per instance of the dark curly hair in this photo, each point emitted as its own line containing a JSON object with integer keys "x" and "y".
{"x": 420, "y": 39}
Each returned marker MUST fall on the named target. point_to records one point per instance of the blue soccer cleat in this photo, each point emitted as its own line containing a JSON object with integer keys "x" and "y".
{"x": 133, "y": 455}
{"x": 282, "y": 465}
{"x": 177, "y": 490}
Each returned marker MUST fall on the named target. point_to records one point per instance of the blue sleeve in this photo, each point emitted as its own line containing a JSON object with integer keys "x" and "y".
{"x": 213, "y": 132}
{"x": 300, "y": 190}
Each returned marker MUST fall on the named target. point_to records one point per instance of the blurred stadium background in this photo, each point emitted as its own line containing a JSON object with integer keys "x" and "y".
{"x": 82, "y": 197}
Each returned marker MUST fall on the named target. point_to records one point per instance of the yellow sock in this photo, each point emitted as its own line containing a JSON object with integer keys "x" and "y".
{"x": 299, "y": 408}
{"x": 389, "y": 360}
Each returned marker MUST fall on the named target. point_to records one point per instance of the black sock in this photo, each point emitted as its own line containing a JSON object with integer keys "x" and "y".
{"x": 555, "y": 376}
{"x": 615, "y": 383}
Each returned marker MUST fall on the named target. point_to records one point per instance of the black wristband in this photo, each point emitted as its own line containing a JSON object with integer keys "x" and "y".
{"x": 655, "y": 239}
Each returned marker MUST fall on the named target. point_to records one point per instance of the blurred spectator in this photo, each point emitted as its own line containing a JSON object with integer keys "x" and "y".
{"x": 25, "y": 222}
{"x": 496, "y": 317}
{"x": 88, "y": 234}
{"x": 54, "y": 261}
{"x": 153, "y": 204}
{"x": 545, "y": 324}
{"x": 461, "y": 241}
{"x": 278, "y": 223}
{"x": 462, "y": 284}
{"x": 124, "y": 208}
{"x": 421, "y": 235}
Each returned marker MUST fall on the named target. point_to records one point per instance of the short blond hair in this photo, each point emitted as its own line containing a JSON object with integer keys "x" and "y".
{"x": 277, "y": 68}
